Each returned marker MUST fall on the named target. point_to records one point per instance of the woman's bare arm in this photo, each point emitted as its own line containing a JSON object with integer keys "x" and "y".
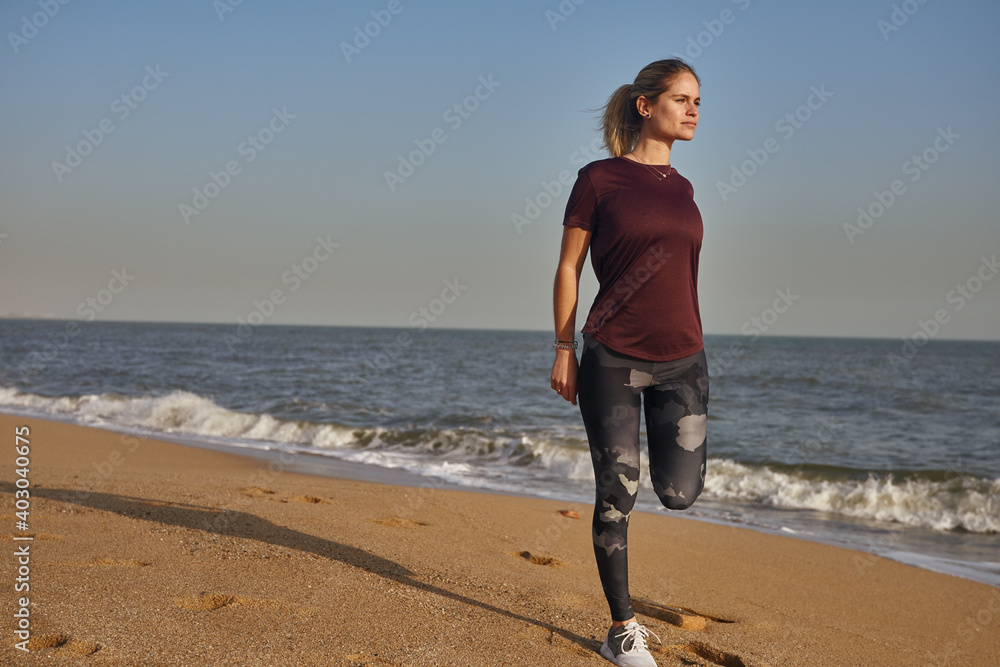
{"x": 575, "y": 243}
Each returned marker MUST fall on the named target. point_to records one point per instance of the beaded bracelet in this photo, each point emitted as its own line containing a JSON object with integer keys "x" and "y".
{"x": 565, "y": 344}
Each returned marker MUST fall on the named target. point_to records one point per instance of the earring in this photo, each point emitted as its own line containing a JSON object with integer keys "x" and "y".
{"x": 649, "y": 115}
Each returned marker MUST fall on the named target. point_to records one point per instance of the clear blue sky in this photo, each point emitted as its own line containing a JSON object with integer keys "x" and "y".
{"x": 202, "y": 86}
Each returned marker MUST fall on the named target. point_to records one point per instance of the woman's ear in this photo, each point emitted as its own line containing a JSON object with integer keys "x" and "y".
{"x": 643, "y": 105}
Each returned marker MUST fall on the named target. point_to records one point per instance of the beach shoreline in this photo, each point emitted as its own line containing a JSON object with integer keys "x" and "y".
{"x": 150, "y": 552}
{"x": 977, "y": 560}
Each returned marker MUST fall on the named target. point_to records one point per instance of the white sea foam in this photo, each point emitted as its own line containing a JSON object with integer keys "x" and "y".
{"x": 964, "y": 502}
{"x": 488, "y": 459}
{"x": 179, "y": 412}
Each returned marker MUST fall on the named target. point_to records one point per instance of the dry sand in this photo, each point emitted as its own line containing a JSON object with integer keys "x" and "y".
{"x": 152, "y": 553}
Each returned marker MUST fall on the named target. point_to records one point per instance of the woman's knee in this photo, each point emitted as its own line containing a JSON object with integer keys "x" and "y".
{"x": 677, "y": 502}
{"x": 618, "y": 486}
{"x": 677, "y": 498}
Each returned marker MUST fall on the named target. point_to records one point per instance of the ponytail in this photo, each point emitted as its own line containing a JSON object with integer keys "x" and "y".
{"x": 621, "y": 123}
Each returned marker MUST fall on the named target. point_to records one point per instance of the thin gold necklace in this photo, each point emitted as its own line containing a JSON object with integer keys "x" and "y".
{"x": 659, "y": 174}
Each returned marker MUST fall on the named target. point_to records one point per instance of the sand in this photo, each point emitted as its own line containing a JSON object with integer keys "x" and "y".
{"x": 152, "y": 553}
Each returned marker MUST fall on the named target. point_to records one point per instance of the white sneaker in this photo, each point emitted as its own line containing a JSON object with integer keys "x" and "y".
{"x": 626, "y": 646}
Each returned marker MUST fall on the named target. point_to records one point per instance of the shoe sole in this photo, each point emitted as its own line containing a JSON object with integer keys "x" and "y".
{"x": 607, "y": 654}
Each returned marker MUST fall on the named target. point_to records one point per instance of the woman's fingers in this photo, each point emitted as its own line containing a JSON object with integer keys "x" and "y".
{"x": 563, "y": 380}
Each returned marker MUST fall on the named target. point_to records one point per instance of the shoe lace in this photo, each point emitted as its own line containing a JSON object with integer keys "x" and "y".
{"x": 637, "y": 633}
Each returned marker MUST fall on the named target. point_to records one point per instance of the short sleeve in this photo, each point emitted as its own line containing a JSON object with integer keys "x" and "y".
{"x": 581, "y": 209}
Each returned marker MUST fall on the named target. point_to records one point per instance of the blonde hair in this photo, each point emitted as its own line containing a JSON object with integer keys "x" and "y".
{"x": 621, "y": 122}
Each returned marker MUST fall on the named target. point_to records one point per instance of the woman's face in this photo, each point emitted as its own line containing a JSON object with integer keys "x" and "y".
{"x": 674, "y": 115}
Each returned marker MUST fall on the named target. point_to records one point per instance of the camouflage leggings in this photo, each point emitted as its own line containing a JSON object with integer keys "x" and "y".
{"x": 675, "y": 394}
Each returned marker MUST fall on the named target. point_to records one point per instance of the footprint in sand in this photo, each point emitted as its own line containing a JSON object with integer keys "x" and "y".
{"x": 212, "y": 601}
{"x": 686, "y": 619}
{"x": 535, "y": 559}
{"x": 309, "y": 499}
{"x": 205, "y": 601}
{"x": 260, "y": 492}
{"x": 62, "y": 641}
{"x": 399, "y": 522}
{"x": 712, "y": 654}
{"x": 119, "y": 562}
{"x": 257, "y": 492}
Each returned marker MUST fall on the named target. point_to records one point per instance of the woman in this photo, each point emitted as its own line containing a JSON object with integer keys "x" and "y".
{"x": 642, "y": 338}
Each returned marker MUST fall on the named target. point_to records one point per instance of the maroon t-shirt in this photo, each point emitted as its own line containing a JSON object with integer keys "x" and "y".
{"x": 644, "y": 248}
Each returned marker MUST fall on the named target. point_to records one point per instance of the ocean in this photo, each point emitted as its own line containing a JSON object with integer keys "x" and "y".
{"x": 875, "y": 445}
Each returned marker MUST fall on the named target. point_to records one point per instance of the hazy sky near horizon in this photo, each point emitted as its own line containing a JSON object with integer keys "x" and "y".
{"x": 212, "y": 161}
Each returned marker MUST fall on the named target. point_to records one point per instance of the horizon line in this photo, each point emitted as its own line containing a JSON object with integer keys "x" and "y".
{"x": 481, "y": 329}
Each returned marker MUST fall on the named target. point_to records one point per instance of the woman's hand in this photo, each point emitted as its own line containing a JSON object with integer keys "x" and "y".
{"x": 564, "y": 372}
